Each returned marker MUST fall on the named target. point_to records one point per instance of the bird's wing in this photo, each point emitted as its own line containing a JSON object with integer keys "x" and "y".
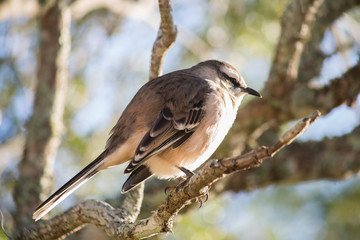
{"x": 171, "y": 129}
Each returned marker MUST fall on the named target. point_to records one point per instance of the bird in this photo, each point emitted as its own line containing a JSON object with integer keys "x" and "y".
{"x": 173, "y": 124}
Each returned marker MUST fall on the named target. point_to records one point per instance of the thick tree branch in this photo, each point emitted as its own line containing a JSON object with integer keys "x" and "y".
{"x": 104, "y": 216}
{"x": 45, "y": 126}
{"x": 295, "y": 25}
{"x": 313, "y": 57}
{"x": 165, "y": 38}
{"x": 115, "y": 221}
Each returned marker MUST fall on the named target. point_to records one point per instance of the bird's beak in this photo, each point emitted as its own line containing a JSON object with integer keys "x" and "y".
{"x": 252, "y": 92}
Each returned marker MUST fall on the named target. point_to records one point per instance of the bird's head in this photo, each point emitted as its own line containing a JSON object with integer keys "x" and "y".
{"x": 225, "y": 75}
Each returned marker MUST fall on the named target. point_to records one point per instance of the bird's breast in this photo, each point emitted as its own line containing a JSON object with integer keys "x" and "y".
{"x": 220, "y": 115}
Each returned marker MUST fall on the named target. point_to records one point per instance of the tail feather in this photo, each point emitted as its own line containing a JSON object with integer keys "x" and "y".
{"x": 69, "y": 187}
{"x": 137, "y": 176}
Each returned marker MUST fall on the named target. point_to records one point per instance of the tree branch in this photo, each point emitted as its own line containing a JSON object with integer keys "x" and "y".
{"x": 312, "y": 58}
{"x": 104, "y": 216}
{"x": 295, "y": 25}
{"x": 45, "y": 126}
{"x": 334, "y": 158}
{"x": 115, "y": 222}
{"x": 165, "y": 38}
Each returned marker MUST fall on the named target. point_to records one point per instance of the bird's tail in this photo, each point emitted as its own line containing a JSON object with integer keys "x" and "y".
{"x": 80, "y": 178}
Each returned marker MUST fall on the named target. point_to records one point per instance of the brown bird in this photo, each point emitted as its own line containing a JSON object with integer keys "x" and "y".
{"x": 172, "y": 125}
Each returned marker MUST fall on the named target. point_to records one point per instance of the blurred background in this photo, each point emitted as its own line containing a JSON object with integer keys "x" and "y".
{"x": 109, "y": 61}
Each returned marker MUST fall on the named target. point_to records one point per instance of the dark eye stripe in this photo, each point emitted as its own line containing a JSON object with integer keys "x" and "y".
{"x": 231, "y": 79}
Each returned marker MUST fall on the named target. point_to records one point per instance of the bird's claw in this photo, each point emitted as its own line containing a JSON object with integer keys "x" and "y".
{"x": 167, "y": 189}
{"x": 178, "y": 186}
{"x": 206, "y": 195}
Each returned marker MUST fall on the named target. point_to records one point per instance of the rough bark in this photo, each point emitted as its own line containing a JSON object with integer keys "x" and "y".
{"x": 115, "y": 222}
{"x": 101, "y": 214}
{"x": 45, "y": 126}
{"x": 295, "y": 25}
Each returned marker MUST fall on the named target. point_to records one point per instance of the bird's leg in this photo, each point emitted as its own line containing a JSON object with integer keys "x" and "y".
{"x": 168, "y": 188}
{"x": 188, "y": 174}
{"x": 183, "y": 181}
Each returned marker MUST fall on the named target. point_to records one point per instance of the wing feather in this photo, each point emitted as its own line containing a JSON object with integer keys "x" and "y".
{"x": 167, "y": 131}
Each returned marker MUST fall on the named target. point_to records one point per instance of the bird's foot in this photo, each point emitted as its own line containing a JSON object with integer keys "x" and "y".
{"x": 205, "y": 196}
{"x": 182, "y": 181}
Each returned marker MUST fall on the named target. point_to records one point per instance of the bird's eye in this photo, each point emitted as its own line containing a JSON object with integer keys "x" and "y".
{"x": 230, "y": 75}
{"x": 233, "y": 81}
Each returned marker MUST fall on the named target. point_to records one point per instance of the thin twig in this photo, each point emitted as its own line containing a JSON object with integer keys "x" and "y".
{"x": 165, "y": 38}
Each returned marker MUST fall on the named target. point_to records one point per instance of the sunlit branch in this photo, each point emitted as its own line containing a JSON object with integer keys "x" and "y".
{"x": 114, "y": 221}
